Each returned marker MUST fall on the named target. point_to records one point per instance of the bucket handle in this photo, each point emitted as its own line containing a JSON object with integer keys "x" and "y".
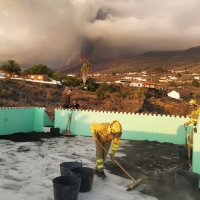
{"x": 56, "y": 181}
{"x": 79, "y": 160}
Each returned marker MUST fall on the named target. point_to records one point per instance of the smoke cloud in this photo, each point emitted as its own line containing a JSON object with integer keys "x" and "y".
{"x": 66, "y": 32}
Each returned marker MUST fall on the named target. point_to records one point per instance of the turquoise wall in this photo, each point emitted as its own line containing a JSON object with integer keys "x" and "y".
{"x": 135, "y": 126}
{"x": 15, "y": 120}
{"x": 159, "y": 128}
{"x": 41, "y": 119}
{"x": 196, "y": 150}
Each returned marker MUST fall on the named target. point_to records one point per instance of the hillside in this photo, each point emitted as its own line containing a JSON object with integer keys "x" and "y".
{"x": 22, "y": 94}
{"x": 150, "y": 61}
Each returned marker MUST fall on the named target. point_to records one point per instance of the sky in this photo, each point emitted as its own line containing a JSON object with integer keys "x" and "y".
{"x": 68, "y": 32}
{"x": 28, "y": 168}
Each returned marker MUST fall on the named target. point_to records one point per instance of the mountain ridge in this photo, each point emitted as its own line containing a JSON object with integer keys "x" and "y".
{"x": 189, "y": 58}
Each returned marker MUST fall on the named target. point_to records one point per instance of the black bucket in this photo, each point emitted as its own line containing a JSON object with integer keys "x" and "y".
{"x": 87, "y": 177}
{"x": 65, "y": 168}
{"x": 66, "y": 187}
{"x": 187, "y": 182}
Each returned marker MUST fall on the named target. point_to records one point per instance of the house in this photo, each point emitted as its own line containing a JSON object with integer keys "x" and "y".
{"x": 15, "y": 75}
{"x": 123, "y": 82}
{"x": 197, "y": 77}
{"x": 145, "y": 84}
{"x": 151, "y": 85}
{"x": 38, "y": 77}
{"x": 136, "y": 84}
{"x": 174, "y": 94}
{"x": 163, "y": 79}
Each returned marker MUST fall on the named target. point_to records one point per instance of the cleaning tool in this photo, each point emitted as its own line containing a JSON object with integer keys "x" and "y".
{"x": 185, "y": 134}
{"x": 67, "y": 131}
{"x": 189, "y": 159}
{"x": 135, "y": 182}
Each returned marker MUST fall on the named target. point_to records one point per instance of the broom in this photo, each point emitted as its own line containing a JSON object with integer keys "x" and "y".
{"x": 67, "y": 131}
{"x": 135, "y": 182}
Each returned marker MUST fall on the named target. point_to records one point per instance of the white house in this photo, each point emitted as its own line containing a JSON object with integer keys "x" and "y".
{"x": 174, "y": 94}
{"x": 136, "y": 84}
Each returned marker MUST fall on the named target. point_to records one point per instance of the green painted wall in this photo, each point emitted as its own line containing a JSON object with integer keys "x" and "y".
{"x": 41, "y": 119}
{"x": 196, "y": 150}
{"x": 159, "y": 128}
{"x": 135, "y": 126}
{"x": 15, "y": 120}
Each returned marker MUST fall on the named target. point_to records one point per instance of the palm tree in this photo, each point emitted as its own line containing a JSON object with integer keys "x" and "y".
{"x": 10, "y": 67}
{"x": 85, "y": 71}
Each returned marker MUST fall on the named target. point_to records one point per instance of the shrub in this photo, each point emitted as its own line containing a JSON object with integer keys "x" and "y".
{"x": 139, "y": 92}
{"x": 195, "y": 83}
{"x": 100, "y": 93}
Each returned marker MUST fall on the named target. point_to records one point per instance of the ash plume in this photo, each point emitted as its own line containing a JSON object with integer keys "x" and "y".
{"x": 63, "y": 32}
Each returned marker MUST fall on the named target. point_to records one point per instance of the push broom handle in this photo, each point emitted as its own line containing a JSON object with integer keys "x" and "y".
{"x": 117, "y": 162}
{"x": 185, "y": 135}
{"x": 189, "y": 162}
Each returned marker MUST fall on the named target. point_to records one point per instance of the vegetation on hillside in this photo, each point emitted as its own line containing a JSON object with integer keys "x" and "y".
{"x": 111, "y": 97}
{"x": 11, "y": 67}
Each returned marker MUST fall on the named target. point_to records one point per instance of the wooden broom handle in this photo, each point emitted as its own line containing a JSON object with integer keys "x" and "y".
{"x": 116, "y": 162}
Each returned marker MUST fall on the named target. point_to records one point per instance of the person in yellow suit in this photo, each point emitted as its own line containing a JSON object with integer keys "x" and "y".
{"x": 105, "y": 133}
{"x": 195, "y": 109}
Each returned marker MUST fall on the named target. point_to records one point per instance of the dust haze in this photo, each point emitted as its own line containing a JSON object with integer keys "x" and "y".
{"x": 67, "y": 32}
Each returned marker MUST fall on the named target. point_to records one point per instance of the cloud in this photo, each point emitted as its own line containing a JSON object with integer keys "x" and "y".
{"x": 60, "y": 32}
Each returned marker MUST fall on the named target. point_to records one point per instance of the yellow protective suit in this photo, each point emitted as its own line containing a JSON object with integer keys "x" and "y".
{"x": 194, "y": 116}
{"x": 104, "y": 135}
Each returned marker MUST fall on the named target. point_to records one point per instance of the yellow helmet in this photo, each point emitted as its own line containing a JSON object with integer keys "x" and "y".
{"x": 193, "y": 102}
{"x": 115, "y": 128}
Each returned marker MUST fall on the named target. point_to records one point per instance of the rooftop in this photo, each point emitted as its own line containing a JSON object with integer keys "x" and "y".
{"x": 29, "y": 164}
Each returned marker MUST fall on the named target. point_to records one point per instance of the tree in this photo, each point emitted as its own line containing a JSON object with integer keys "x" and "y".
{"x": 11, "y": 67}
{"x": 195, "y": 83}
{"x": 139, "y": 93}
{"x": 39, "y": 69}
{"x": 85, "y": 71}
{"x": 178, "y": 75}
{"x": 57, "y": 76}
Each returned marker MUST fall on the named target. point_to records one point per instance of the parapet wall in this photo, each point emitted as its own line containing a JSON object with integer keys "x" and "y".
{"x": 15, "y": 120}
{"x": 161, "y": 128}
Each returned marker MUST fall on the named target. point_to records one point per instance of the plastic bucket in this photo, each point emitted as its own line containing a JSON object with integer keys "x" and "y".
{"x": 65, "y": 168}
{"x": 87, "y": 177}
{"x": 187, "y": 182}
{"x": 66, "y": 187}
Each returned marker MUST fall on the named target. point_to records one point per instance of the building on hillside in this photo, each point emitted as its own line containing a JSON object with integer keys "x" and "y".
{"x": 128, "y": 78}
{"x": 136, "y": 84}
{"x": 38, "y": 77}
{"x": 173, "y": 94}
{"x": 145, "y": 84}
{"x": 16, "y": 75}
{"x": 163, "y": 79}
{"x": 172, "y": 78}
{"x": 2, "y": 74}
{"x": 152, "y": 85}
{"x": 123, "y": 82}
